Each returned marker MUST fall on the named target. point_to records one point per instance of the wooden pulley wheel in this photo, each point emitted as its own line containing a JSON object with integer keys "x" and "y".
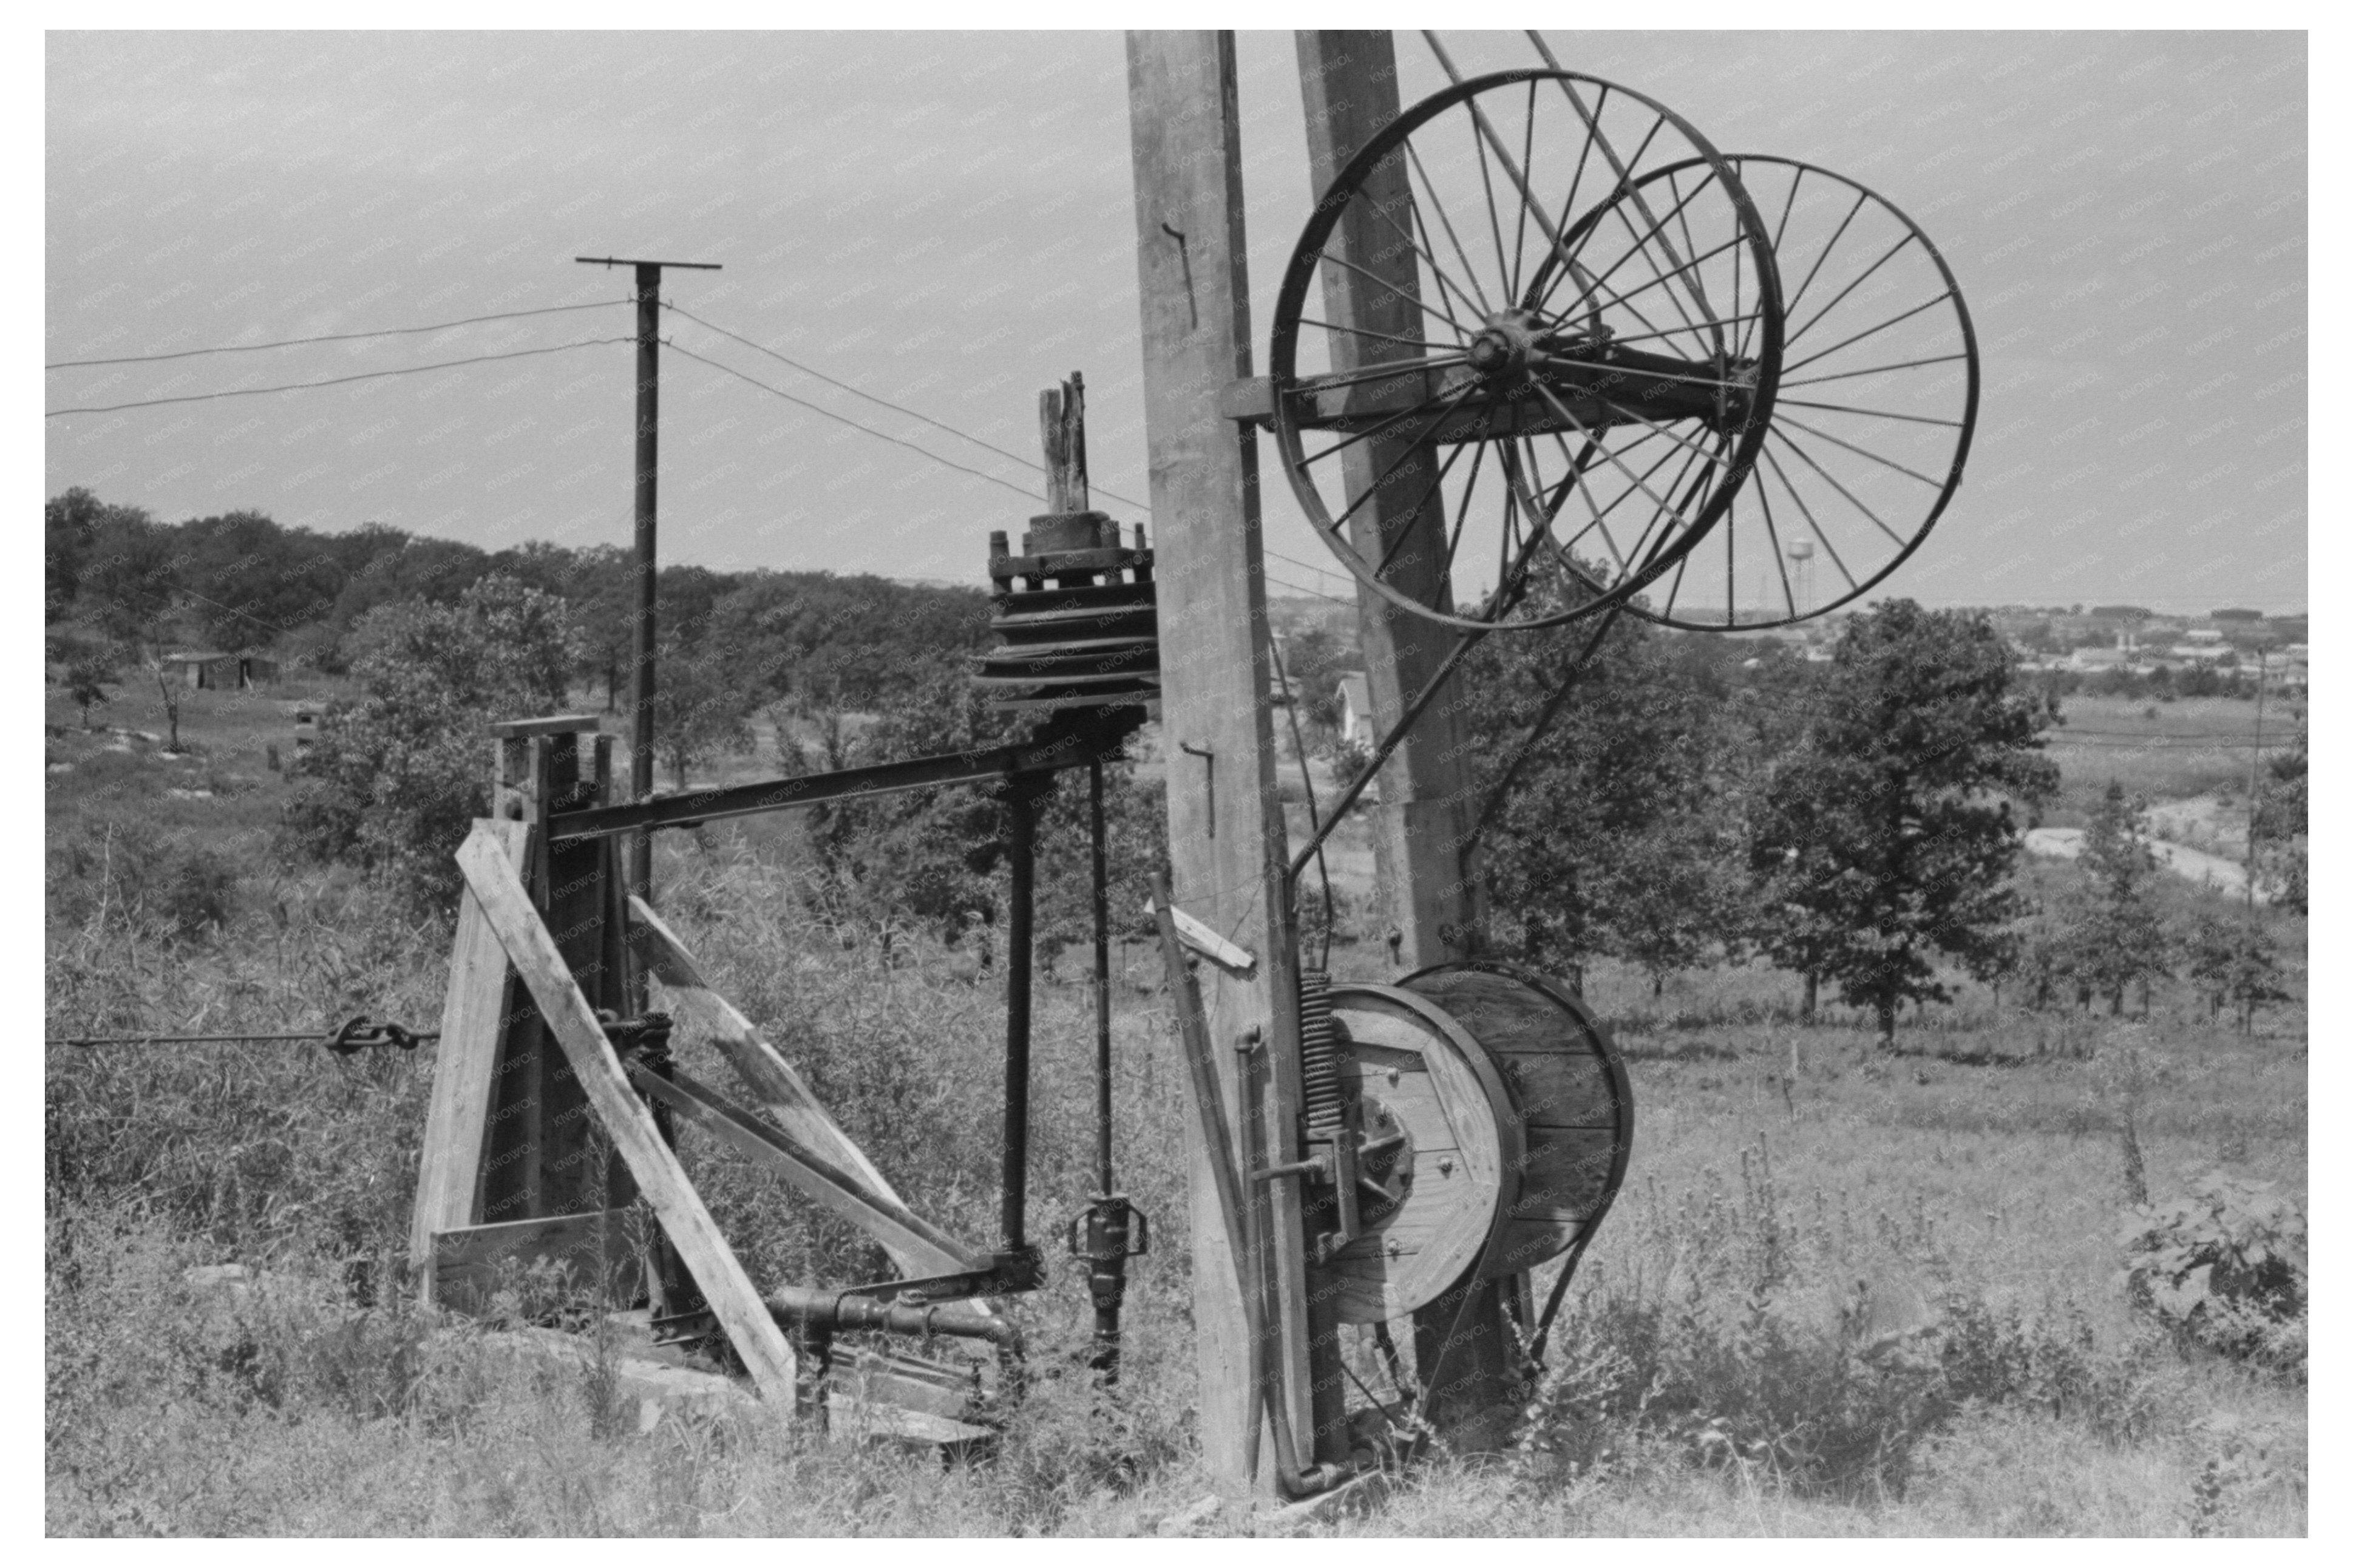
{"x": 1495, "y": 1124}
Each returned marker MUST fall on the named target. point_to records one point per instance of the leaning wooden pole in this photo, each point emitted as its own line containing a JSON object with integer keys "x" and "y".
{"x": 1226, "y": 838}
{"x": 1422, "y": 825}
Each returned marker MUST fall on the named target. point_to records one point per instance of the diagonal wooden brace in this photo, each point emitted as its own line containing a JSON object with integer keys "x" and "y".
{"x": 892, "y": 1223}
{"x": 779, "y": 1090}
{"x": 507, "y": 906}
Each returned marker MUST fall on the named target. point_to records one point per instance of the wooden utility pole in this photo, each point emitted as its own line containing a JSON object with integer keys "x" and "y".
{"x": 642, "y": 678}
{"x": 1348, "y": 84}
{"x": 1226, "y": 838}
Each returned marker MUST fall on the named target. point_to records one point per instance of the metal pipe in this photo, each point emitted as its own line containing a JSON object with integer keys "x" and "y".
{"x": 1102, "y": 979}
{"x": 1020, "y": 852}
{"x": 829, "y": 1311}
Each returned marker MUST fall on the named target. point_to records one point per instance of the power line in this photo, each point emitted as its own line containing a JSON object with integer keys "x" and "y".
{"x": 882, "y": 402}
{"x": 330, "y": 337}
{"x": 854, "y": 424}
{"x": 1309, "y": 592}
{"x": 337, "y": 381}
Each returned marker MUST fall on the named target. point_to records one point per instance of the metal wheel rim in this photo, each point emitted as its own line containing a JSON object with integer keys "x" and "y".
{"x": 1677, "y": 538}
{"x": 1967, "y": 422}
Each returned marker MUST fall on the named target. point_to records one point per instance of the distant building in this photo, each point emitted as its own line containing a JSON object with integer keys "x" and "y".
{"x": 1356, "y": 710}
{"x": 205, "y": 671}
{"x": 2204, "y": 646}
{"x": 2240, "y": 617}
{"x": 2120, "y": 613}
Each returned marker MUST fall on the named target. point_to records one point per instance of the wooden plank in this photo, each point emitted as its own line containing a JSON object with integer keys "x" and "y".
{"x": 471, "y": 1263}
{"x": 1203, "y": 939}
{"x": 830, "y": 1188}
{"x": 780, "y": 1089}
{"x": 1557, "y": 1090}
{"x": 1226, "y": 836}
{"x": 729, "y": 1291}
{"x": 473, "y": 1012}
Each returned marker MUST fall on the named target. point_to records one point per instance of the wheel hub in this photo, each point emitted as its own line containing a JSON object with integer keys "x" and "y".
{"x": 1501, "y": 348}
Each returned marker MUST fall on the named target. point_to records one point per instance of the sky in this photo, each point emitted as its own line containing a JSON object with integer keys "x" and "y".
{"x": 946, "y": 221}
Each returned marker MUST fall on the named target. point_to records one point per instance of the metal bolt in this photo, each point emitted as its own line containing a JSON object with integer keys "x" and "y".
{"x": 1445, "y": 1166}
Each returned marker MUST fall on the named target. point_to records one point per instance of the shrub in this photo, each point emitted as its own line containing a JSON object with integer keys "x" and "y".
{"x": 2223, "y": 1266}
{"x": 395, "y": 780}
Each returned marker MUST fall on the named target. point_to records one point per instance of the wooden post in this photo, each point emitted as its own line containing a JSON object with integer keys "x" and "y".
{"x": 542, "y": 1161}
{"x": 1226, "y": 849}
{"x": 1349, "y": 83}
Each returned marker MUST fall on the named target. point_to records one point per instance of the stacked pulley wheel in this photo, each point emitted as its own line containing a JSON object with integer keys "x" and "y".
{"x": 1549, "y": 323}
{"x": 1074, "y": 616}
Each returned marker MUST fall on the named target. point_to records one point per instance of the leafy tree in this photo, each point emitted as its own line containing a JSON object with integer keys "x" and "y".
{"x": 2283, "y": 819}
{"x": 86, "y": 681}
{"x": 936, "y": 855}
{"x": 1616, "y": 834}
{"x": 1887, "y": 838}
{"x": 2118, "y": 932}
{"x": 2234, "y": 964}
{"x": 703, "y": 706}
{"x": 395, "y": 779}
{"x": 68, "y": 533}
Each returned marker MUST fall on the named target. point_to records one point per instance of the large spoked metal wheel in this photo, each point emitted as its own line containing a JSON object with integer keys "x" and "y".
{"x": 1871, "y": 423}
{"x": 1539, "y": 314}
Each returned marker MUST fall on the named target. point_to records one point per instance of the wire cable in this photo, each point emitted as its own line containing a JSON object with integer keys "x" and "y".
{"x": 882, "y": 402}
{"x": 330, "y": 337}
{"x": 854, "y": 424}
{"x": 337, "y": 381}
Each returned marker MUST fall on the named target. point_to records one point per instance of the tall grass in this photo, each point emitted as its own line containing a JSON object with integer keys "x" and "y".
{"x": 1842, "y": 1295}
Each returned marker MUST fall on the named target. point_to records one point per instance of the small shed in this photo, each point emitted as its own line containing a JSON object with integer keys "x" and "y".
{"x": 205, "y": 671}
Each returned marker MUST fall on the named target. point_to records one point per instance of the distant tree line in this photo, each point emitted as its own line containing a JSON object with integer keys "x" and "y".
{"x": 114, "y": 576}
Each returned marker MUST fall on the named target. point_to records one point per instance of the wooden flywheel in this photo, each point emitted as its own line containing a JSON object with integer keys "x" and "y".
{"x": 1493, "y": 1125}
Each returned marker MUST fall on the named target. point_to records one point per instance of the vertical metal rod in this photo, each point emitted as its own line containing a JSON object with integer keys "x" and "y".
{"x": 1021, "y": 851}
{"x": 641, "y": 641}
{"x": 1102, "y": 978}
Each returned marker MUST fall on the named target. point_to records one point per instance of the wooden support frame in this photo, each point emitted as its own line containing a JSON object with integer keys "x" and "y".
{"x": 507, "y": 907}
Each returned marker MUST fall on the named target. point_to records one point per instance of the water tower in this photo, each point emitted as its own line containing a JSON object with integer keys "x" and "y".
{"x": 1801, "y": 573}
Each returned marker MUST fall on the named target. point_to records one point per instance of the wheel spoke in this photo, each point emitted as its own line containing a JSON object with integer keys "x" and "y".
{"x": 1494, "y": 219}
{"x": 1670, "y": 434}
{"x": 1420, "y": 304}
{"x": 1445, "y": 282}
{"x": 1874, "y": 370}
{"x": 1773, "y": 537}
{"x": 1385, "y": 337}
{"x": 1831, "y": 480}
{"x": 1406, "y": 531}
{"x": 1470, "y": 483}
{"x": 1861, "y": 452}
{"x": 1519, "y": 227}
{"x": 1625, "y": 178}
{"x": 1563, "y": 410}
{"x": 1909, "y": 236}
{"x": 1867, "y": 332}
{"x": 1413, "y": 162}
{"x": 1398, "y": 461}
{"x": 1840, "y": 233}
{"x": 1448, "y": 406}
{"x": 1869, "y": 412}
{"x": 1808, "y": 513}
{"x": 1636, "y": 250}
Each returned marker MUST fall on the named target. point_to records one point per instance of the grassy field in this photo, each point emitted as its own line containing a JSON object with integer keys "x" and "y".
{"x": 1724, "y": 1367}
{"x": 2160, "y": 750}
